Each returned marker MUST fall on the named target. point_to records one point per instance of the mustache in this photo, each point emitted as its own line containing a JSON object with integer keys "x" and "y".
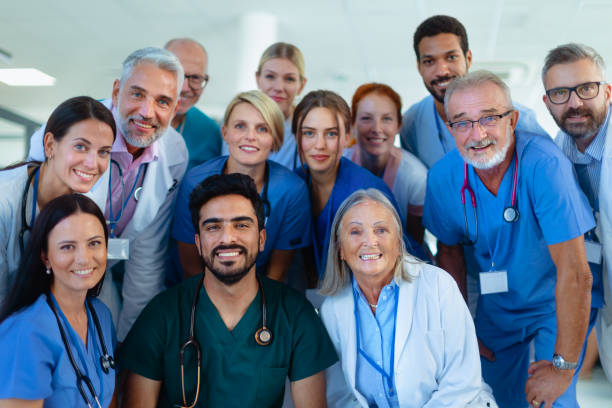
{"x": 481, "y": 143}
{"x": 140, "y": 118}
{"x": 577, "y": 112}
{"x": 439, "y": 80}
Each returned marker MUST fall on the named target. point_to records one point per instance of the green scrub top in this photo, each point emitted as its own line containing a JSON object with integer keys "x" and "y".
{"x": 236, "y": 371}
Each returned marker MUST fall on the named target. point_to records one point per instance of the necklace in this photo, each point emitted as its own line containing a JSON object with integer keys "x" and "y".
{"x": 372, "y": 305}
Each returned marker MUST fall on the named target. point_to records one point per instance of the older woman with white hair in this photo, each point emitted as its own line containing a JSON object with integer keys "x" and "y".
{"x": 402, "y": 331}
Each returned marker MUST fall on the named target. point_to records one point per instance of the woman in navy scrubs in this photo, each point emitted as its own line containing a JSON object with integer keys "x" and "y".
{"x": 56, "y": 339}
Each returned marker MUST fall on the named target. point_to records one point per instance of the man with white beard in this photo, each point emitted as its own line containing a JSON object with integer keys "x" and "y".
{"x": 510, "y": 198}
{"x": 137, "y": 192}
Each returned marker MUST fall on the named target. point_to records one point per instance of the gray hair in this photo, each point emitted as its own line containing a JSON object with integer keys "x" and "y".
{"x": 161, "y": 58}
{"x": 475, "y": 79}
{"x": 572, "y": 52}
{"x": 337, "y": 272}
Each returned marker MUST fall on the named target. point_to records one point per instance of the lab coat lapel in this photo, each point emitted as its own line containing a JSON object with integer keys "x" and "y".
{"x": 405, "y": 310}
{"x": 345, "y": 307}
{"x": 99, "y": 192}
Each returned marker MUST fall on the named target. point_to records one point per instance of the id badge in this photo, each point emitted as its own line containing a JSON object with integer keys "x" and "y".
{"x": 118, "y": 248}
{"x": 493, "y": 282}
{"x": 593, "y": 252}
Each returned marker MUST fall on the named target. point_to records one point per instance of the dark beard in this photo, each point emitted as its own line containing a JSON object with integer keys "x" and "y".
{"x": 430, "y": 87}
{"x": 234, "y": 276}
{"x": 586, "y": 130}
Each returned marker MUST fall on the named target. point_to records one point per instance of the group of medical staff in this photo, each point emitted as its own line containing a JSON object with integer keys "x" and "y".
{"x": 101, "y": 220}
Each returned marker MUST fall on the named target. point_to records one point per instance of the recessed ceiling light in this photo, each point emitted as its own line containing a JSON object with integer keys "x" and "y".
{"x": 25, "y": 77}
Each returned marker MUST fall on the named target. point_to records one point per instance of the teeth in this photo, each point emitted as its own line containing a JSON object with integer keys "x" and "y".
{"x": 84, "y": 175}
{"x": 228, "y": 254}
{"x": 248, "y": 148}
{"x": 369, "y": 257}
{"x": 83, "y": 271}
{"x": 443, "y": 83}
{"x": 143, "y": 125}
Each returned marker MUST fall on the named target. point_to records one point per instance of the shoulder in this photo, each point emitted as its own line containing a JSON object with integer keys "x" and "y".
{"x": 411, "y": 163}
{"x": 12, "y": 184}
{"x": 357, "y": 176}
{"x": 416, "y": 109}
{"x": 197, "y": 174}
{"x": 201, "y": 119}
{"x": 451, "y": 163}
{"x": 172, "y": 147}
{"x": 32, "y": 322}
{"x": 289, "y": 180}
{"x": 536, "y": 151}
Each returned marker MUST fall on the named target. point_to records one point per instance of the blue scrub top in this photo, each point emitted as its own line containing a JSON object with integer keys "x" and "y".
{"x": 35, "y": 364}
{"x": 552, "y": 209}
{"x": 349, "y": 179}
{"x": 287, "y": 227}
{"x": 202, "y": 137}
{"x": 425, "y": 134}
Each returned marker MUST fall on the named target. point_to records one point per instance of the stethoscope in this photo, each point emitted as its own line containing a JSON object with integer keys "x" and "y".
{"x": 24, "y": 200}
{"x": 263, "y": 337}
{"x": 107, "y": 362}
{"x": 387, "y": 376}
{"x": 135, "y": 191}
{"x": 511, "y": 214}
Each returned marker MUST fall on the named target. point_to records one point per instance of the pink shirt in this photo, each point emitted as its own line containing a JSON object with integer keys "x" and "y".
{"x": 120, "y": 187}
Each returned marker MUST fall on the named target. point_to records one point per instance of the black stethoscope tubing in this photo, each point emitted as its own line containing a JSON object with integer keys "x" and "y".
{"x": 107, "y": 361}
{"x": 24, "y": 201}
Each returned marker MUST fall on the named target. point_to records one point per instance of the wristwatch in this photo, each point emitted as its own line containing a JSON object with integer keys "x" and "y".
{"x": 560, "y": 363}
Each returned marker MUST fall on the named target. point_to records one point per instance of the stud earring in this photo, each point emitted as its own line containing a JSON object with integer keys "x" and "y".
{"x": 48, "y": 271}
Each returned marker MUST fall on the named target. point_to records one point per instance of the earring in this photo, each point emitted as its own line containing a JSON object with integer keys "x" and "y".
{"x": 48, "y": 271}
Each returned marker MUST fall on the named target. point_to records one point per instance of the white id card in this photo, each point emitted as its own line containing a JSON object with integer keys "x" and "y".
{"x": 118, "y": 248}
{"x": 593, "y": 252}
{"x": 493, "y": 282}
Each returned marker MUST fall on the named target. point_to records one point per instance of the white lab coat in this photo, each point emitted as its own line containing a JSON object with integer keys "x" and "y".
{"x": 147, "y": 231}
{"x": 604, "y": 321}
{"x": 437, "y": 363}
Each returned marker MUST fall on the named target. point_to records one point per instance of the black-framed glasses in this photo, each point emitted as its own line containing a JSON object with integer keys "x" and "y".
{"x": 197, "y": 81}
{"x": 485, "y": 121}
{"x": 585, "y": 91}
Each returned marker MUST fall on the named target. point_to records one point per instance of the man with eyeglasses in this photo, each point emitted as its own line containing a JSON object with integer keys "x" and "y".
{"x": 442, "y": 51}
{"x": 202, "y": 134}
{"x": 509, "y": 199}
{"x": 578, "y": 98}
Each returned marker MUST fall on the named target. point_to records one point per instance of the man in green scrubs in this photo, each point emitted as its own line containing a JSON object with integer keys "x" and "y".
{"x": 237, "y": 368}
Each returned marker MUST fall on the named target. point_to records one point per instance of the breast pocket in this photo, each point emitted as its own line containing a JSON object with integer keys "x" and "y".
{"x": 270, "y": 386}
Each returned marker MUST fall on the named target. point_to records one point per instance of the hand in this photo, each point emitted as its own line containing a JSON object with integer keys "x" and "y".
{"x": 546, "y": 383}
{"x": 485, "y": 352}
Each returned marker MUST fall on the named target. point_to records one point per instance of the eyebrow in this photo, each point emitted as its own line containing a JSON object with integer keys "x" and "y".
{"x": 214, "y": 220}
{"x": 329, "y": 128}
{"x": 452, "y": 51}
{"x": 482, "y": 112}
{"x": 69, "y": 241}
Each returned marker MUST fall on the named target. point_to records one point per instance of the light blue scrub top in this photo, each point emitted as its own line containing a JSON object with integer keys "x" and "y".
{"x": 34, "y": 363}
{"x": 425, "y": 134}
{"x": 287, "y": 155}
{"x": 202, "y": 137}
{"x": 287, "y": 227}
{"x": 552, "y": 209}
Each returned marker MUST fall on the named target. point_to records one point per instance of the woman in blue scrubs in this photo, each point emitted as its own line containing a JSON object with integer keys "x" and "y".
{"x": 56, "y": 339}
{"x": 321, "y": 123}
{"x": 77, "y": 142}
{"x": 252, "y": 128}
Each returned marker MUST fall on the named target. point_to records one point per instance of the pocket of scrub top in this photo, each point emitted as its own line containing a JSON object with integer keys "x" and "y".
{"x": 270, "y": 387}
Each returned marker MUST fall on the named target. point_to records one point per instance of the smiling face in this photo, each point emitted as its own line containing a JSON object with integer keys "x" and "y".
{"x": 146, "y": 104}
{"x": 581, "y": 119}
{"x": 441, "y": 59}
{"x": 280, "y": 79}
{"x": 194, "y": 61}
{"x": 76, "y": 254}
{"x": 229, "y": 240}
{"x": 481, "y": 146}
{"x": 80, "y": 157}
{"x": 322, "y": 139}
{"x": 248, "y": 136}
{"x": 376, "y": 124}
{"x": 370, "y": 242}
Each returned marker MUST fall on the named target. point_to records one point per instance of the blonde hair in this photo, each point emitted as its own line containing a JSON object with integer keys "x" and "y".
{"x": 337, "y": 272}
{"x": 286, "y": 51}
{"x": 269, "y": 110}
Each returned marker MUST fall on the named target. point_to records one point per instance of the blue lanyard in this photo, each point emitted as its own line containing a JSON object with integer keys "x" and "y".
{"x": 113, "y": 221}
{"x": 387, "y": 376}
{"x": 34, "y": 197}
{"x": 493, "y": 254}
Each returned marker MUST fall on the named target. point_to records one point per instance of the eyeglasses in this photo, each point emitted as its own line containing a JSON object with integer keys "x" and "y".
{"x": 197, "y": 81}
{"x": 486, "y": 121}
{"x": 586, "y": 91}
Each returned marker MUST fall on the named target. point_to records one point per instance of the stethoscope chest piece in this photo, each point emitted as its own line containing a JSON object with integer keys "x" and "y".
{"x": 137, "y": 193}
{"x": 263, "y": 336}
{"x": 511, "y": 214}
{"x": 107, "y": 362}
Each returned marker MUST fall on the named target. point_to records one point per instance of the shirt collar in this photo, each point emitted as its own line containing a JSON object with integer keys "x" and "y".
{"x": 594, "y": 150}
{"x": 388, "y": 288}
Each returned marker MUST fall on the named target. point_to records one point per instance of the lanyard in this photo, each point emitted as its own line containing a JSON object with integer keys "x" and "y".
{"x": 387, "y": 376}
{"x": 113, "y": 221}
{"x": 34, "y": 197}
{"x": 493, "y": 254}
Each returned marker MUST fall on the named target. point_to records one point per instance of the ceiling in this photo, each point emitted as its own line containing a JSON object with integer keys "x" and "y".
{"x": 345, "y": 42}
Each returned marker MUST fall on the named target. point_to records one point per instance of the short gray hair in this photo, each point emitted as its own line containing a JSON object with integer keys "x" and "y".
{"x": 475, "y": 79}
{"x": 337, "y": 272}
{"x": 572, "y": 52}
{"x": 161, "y": 58}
